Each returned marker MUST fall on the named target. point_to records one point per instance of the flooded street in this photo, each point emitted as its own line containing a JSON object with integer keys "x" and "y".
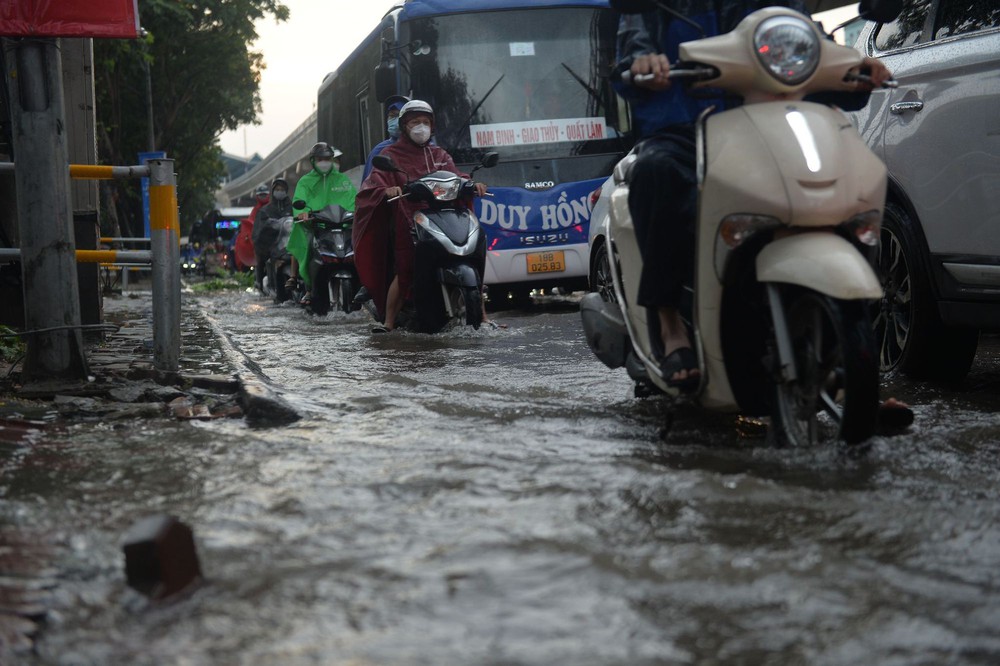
{"x": 499, "y": 497}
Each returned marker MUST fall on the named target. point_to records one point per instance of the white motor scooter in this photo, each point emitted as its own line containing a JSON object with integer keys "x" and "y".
{"x": 790, "y": 202}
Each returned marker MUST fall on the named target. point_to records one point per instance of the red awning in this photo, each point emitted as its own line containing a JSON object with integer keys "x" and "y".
{"x": 76, "y": 18}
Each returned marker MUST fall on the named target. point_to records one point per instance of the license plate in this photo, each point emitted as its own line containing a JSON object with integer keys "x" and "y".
{"x": 547, "y": 262}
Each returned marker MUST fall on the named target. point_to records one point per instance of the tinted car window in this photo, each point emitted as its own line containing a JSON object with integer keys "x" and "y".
{"x": 905, "y": 30}
{"x": 957, "y": 17}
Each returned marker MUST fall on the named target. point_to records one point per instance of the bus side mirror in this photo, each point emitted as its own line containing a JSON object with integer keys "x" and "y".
{"x": 385, "y": 81}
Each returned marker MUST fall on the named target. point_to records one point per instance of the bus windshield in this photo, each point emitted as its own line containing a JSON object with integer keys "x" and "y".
{"x": 528, "y": 83}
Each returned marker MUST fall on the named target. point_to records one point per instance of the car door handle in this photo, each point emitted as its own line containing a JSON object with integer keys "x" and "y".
{"x": 900, "y": 108}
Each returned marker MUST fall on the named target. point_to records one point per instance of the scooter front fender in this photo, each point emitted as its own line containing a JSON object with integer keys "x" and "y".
{"x": 821, "y": 261}
{"x": 461, "y": 275}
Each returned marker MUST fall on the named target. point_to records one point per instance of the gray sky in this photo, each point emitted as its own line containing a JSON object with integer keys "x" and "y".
{"x": 299, "y": 52}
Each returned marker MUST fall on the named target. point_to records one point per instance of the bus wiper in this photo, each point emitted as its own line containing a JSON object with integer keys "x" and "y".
{"x": 586, "y": 86}
{"x": 475, "y": 109}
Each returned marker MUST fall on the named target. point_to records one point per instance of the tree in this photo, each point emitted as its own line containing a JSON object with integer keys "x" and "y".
{"x": 205, "y": 80}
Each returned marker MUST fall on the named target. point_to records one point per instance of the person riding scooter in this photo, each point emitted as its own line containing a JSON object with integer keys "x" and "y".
{"x": 265, "y": 233}
{"x": 321, "y": 187}
{"x": 385, "y": 259}
{"x": 663, "y": 184}
{"x": 393, "y": 106}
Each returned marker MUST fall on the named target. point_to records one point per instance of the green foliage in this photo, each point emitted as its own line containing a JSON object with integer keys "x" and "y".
{"x": 205, "y": 80}
{"x": 236, "y": 281}
{"x": 11, "y": 348}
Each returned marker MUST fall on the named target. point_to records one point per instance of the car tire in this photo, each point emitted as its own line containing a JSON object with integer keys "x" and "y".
{"x": 910, "y": 335}
{"x": 601, "y": 280}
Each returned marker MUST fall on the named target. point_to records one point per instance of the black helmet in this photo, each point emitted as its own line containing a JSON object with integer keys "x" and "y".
{"x": 323, "y": 149}
{"x": 279, "y": 181}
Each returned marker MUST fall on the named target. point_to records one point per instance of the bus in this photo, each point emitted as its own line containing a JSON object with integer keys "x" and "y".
{"x": 527, "y": 79}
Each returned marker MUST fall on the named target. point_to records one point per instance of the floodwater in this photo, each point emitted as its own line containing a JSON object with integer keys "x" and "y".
{"x": 499, "y": 497}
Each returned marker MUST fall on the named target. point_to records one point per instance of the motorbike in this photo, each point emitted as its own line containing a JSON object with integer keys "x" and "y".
{"x": 450, "y": 250}
{"x": 790, "y": 202}
{"x": 331, "y": 259}
{"x": 278, "y": 267}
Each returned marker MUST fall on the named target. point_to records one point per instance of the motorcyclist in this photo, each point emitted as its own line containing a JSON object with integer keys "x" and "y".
{"x": 393, "y": 106}
{"x": 663, "y": 184}
{"x": 323, "y": 186}
{"x": 384, "y": 258}
{"x": 265, "y": 232}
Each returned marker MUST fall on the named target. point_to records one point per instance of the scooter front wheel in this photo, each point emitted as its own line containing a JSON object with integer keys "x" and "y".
{"x": 836, "y": 363}
{"x": 347, "y": 290}
{"x": 473, "y": 299}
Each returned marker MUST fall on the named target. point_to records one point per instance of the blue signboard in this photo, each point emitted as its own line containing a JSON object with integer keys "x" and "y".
{"x": 514, "y": 218}
{"x": 143, "y": 157}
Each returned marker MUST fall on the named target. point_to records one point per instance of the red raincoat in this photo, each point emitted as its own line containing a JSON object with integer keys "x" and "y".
{"x": 377, "y": 255}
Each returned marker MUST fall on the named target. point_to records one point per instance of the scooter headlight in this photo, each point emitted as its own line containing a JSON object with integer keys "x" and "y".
{"x": 444, "y": 190}
{"x": 788, "y": 47}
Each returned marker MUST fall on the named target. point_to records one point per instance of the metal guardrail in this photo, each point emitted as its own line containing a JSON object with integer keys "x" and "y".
{"x": 163, "y": 256}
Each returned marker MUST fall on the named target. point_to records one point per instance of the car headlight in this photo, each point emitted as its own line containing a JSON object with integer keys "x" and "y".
{"x": 788, "y": 47}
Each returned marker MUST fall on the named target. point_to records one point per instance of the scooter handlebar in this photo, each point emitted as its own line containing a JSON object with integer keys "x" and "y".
{"x": 679, "y": 73}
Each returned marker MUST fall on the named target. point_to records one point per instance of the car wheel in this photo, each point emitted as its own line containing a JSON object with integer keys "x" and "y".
{"x": 909, "y": 332}
{"x": 600, "y": 275}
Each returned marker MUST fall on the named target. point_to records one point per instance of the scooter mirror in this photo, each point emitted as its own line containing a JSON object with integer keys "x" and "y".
{"x": 880, "y": 11}
{"x": 633, "y": 6}
{"x": 490, "y": 160}
{"x": 384, "y": 163}
{"x": 298, "y": 204}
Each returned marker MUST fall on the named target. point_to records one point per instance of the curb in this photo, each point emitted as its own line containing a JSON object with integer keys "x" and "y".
{"x": 262, "y": 406}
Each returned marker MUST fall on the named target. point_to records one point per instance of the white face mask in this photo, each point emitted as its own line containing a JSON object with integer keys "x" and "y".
{"x": 324, "y": 166}
{"x": 280, "y": 195}
{"x": 420, "y": 134}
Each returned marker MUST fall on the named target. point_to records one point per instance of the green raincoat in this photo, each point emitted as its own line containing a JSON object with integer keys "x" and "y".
{"x": 318, "y": 191}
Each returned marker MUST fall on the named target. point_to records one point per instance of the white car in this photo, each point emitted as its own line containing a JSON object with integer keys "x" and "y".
{"x": 939, "y": 135}
{"x": 599, "y": 271}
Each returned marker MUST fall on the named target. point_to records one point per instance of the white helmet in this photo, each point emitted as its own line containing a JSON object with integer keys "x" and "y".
{"x": 415, "y": 106}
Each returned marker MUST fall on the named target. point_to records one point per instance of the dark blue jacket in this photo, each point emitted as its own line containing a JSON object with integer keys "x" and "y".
{"x": 658, "y": 32}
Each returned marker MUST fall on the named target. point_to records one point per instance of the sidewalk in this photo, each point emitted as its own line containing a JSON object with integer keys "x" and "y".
{"x": 214, "y": 381}
{"x": 213, "y": 378}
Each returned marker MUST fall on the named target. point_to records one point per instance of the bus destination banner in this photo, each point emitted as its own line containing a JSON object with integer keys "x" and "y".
{"x": 515, "y": 218}
{"x": 535, "y": 132}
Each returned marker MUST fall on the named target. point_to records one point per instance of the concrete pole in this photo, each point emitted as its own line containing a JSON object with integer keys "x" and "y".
{"x": 44, "y": 210}
{"x": 164, "y": 232}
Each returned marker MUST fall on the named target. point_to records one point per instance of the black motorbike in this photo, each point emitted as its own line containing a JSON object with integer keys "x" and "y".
{"x": 450, "y": 250}
{"x": 331, "y": 259}
{"x": 274, "y": 239}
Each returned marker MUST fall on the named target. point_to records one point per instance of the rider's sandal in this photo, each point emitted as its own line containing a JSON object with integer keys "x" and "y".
{"x": 676, "y": 361}
{"x": 893, "y": 418}
{"x": 379, "y": 328}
